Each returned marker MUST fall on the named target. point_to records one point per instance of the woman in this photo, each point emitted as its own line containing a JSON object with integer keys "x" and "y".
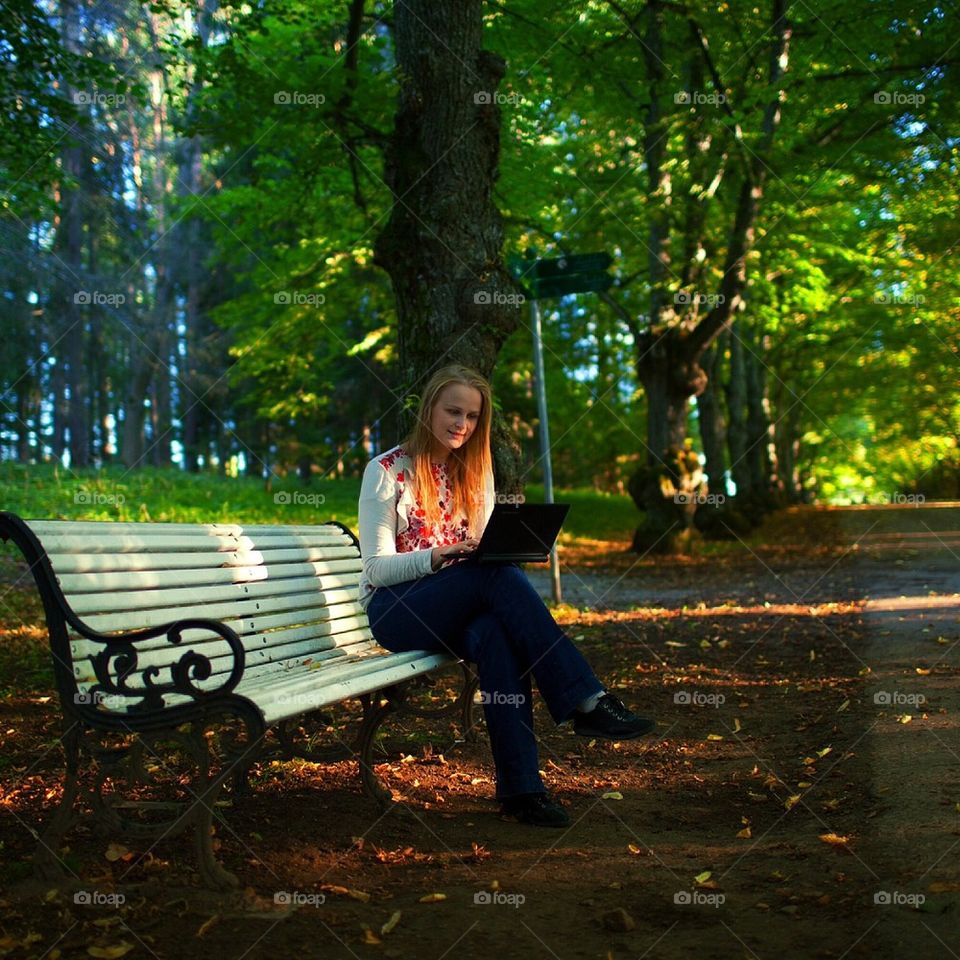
{"x": 423, "y": 507}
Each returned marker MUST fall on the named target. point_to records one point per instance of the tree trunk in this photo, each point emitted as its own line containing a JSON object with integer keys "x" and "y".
{"x": 70, "y": 243}
{"x": 736, "y": 391}
{"x": 761, "y": 452}
{"x": 678, "y": 344}
{"x": 713, "y": 428}
{"x": 456, "y": 302}
{"x": 667, "y": 487}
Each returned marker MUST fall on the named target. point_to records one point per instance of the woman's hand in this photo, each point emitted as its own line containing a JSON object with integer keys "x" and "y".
{"x": 452, "y": 551}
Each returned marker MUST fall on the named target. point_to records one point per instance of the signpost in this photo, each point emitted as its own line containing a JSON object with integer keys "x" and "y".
{"x": 559, "y": 277}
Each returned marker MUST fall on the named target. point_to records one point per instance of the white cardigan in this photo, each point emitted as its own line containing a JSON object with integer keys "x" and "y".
{"x": 382, "y": 515}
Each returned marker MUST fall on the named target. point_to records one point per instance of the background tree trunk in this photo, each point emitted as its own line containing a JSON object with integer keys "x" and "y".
{"x": 442, "y": 246}
{"x": 713, "y": 428}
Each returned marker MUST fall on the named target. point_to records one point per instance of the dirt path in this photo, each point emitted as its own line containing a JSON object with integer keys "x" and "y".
{"x": 779, "y": 805}
{"x": 909, "y": 568}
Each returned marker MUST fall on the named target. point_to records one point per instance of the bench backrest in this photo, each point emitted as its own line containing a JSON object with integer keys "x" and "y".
{"x": 289, "y": 592}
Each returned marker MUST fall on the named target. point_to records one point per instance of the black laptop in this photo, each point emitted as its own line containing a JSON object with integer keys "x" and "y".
{"x": 521, "y": 533}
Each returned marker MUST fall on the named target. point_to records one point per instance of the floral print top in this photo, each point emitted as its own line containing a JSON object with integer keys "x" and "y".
{"x": 395, "y": 539}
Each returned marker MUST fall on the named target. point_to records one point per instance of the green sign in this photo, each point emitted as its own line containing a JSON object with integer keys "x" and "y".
{"x": 578, "y": 283}
{"x": 576, "y": 264}
{"x": 561, "y": 276}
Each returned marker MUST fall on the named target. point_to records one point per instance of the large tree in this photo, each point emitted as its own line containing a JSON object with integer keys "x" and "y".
{"x": 442, "y": 246}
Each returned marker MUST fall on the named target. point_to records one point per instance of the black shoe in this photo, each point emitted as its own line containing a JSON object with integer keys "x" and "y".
{"x": 537, "y": 809}
{"x": 612, "y": 720}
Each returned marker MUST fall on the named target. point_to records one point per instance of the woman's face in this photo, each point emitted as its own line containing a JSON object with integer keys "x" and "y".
{"x": 455, "y": 416}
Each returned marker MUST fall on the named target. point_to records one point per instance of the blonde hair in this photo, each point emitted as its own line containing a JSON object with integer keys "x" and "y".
{"x": 467, "y": 467}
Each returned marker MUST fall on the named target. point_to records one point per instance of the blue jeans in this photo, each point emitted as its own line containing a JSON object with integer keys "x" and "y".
{"x": 490, "y": 615}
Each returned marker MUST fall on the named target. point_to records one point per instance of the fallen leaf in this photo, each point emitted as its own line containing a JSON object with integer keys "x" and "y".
{"x": 923, "y": 671}
{"x": 791, "y": 802}
{"x": 714, "y": 736}
{"x": 116, "y": 851}
{"x": 843, "y": 706}
{"x": 904, "y": 718}
{"x": 207, "y": 925}
{"x": 834, "y": 839}
{"x": 744, "y": 834}
{"x": 111, "y": 953}
{"x": 346, "y": 892}
{"x": 433, "y": 898}
{"x": 370, "y": 937}
{"x": 612, "y": 795}
{"x": 391, "y": 923}
{"x": 702, "y": 878}
{"x": 944, "y": 886}
{"x": 824, "y": 751}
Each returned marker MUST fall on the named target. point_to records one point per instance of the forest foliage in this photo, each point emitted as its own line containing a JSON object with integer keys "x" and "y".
{"x": 193, "y": 194}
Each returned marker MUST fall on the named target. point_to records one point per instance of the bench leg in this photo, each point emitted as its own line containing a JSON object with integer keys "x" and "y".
{"x": 375, "y": 712}
{"x": 47, "y": 865}
{"x": 470, "y": 683}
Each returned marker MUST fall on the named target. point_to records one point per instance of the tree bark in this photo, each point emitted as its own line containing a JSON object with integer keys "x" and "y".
{"x": 442, "y": 246}
{"x": 713, "y": 428}
{"x": 736, "y": 391}
{"x": 761, "y": 452}
{"x": 70, "y": 243}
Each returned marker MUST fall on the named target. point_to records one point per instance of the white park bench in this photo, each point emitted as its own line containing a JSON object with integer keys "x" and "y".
{"x": 162, "y": 632}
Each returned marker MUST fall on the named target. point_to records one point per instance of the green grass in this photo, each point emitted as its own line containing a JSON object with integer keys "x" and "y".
{"x": 168, "y": 495}
{"x": 50, "y": 492}
{"x": 593, "y": 515}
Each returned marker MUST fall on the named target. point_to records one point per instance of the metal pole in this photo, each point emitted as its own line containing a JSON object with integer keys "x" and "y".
{"x": 544, "y": 434}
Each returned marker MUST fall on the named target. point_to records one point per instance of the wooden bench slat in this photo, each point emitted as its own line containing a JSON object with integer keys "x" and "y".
{"x": 238, "y": 593}
{"x": 275, "y": 703}
{"x": 249, "y": 608}
{"x": 75, "y": 584}
{"x": 287, "y": 694}
{"x": 189, "y": 541}
{"x": 127, "y": 526}
{"x": 111, "y": 563}
{"x": 298, "y": 616}
{"x": 260, "y": 659}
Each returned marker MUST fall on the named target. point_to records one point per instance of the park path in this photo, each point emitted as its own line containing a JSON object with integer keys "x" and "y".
{"x": 901, "y": 565}
{"x": 908, "y": 565}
